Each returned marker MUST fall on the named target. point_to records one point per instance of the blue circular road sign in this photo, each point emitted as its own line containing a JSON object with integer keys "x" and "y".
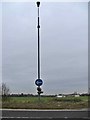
{"x": 38, "y": 82}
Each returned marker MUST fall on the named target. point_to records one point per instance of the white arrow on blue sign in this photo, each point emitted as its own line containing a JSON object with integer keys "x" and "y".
{"x": 38, "y": 82}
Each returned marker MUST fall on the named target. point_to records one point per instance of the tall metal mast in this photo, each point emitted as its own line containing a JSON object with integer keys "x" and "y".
{"x": 38, "y": 4}
{"x": 38, "y": 82}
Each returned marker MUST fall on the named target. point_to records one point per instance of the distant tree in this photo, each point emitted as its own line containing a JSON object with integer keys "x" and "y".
{"x": 75, "y": 93}
{"x": 22, "y": 94}
{"x": 5, "y": 89}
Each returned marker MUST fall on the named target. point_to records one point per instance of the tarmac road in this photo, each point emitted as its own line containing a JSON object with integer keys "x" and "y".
{"x": 43, "y": 114}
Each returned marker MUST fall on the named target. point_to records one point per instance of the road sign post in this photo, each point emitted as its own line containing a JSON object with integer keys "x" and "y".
{"x": 39, "y": 82}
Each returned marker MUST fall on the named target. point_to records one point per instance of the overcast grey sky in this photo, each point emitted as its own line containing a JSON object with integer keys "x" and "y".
{"x": 64, "y": 46}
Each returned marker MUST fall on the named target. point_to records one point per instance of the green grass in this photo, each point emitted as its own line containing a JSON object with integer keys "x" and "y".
{"x": 45, "y": 103}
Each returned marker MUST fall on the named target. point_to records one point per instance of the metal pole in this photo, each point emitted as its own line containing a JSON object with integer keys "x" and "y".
{"x": 38, "y": 4}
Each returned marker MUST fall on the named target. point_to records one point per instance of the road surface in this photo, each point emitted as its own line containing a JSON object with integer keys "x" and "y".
{"x": 25, "y": 114}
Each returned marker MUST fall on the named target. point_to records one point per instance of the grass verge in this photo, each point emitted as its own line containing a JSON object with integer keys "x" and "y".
{"x": 45, "y": 103}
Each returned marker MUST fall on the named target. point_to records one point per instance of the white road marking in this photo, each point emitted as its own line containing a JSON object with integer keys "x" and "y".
{"x": 29, "y": 117}
{"x": 43, "y": 110}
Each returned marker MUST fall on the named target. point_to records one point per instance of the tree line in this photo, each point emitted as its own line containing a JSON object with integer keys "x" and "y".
{"x": 5, "y": 91}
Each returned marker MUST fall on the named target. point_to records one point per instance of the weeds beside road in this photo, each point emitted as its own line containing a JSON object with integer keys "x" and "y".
{"x": 45, "y": 103}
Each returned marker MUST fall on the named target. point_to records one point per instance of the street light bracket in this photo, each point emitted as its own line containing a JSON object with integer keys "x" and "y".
{"x": 38, "y": 3}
